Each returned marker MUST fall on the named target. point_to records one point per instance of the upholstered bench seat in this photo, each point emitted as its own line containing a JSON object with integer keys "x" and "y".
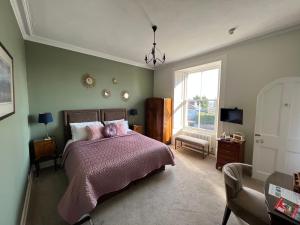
{"x": 195, "y": 144}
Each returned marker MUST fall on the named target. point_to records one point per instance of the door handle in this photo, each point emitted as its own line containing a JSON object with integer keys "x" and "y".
{"x": 257, "y": 135}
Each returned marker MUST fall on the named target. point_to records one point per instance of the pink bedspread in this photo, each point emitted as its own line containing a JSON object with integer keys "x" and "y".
{"x": 98, "y": 167}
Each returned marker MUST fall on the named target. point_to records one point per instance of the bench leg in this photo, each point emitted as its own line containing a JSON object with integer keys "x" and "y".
{"x": 208, "y": 148}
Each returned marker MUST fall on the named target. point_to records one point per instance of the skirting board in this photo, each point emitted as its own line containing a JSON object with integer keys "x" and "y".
{"x": 27, "y": 199}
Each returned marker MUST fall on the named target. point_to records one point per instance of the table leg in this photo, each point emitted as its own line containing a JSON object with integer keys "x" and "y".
{"x": 37, "y": 168}
{"x": 55, "y": 163}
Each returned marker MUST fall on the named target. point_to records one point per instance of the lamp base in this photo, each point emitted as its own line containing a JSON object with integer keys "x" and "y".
{"x": 47, "y": 137}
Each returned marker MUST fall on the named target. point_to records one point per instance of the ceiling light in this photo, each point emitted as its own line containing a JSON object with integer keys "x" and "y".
{"x": 152, "y": 55}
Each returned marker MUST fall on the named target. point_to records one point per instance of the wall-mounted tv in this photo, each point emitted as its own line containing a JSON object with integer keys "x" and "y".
{"x": 232, "y": 115}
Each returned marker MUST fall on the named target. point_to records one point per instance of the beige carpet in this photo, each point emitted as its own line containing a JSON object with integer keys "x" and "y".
{"x": 190, "y": 193}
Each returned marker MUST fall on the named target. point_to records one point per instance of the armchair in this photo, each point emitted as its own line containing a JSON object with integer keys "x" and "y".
{"x": 246, "y": 203}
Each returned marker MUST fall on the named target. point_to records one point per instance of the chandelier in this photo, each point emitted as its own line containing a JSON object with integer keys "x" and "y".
{"x": 152, "y": 55}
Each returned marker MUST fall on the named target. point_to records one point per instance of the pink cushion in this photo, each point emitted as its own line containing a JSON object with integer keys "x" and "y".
{"x": 94, "y": 132}
{"x": 121, "y": 129}
{"x": 110, "y": 130}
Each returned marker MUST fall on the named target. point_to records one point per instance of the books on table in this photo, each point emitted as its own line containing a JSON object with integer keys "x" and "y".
{"x": 288, "y": 208}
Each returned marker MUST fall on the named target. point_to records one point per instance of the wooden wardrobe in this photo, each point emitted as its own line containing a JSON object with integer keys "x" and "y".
{"x": 159, "y": 119}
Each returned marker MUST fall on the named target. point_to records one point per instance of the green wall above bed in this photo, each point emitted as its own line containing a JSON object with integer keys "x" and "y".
{"x": 54, "y": 84}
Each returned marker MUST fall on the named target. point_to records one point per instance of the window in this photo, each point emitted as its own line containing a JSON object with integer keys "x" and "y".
{"x": 200, "y": 97}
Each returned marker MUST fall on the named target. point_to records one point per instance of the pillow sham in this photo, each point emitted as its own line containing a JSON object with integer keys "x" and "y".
{"x": 94, "y": 131}
{"x": 110, "y": 130}
{"x": 121, "y": 129}
{"x": 118, "y": 121}
{"x": 79, "y": 131}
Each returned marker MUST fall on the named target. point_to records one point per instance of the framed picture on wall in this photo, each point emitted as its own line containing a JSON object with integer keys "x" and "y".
{"x": 7, "y": 94}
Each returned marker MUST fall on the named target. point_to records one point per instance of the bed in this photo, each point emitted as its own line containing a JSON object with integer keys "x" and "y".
{"x": 99, "y": 167}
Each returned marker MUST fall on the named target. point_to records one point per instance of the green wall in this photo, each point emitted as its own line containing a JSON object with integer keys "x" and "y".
{"x": 54, "y": 84}
{"x": 14, "y": 131}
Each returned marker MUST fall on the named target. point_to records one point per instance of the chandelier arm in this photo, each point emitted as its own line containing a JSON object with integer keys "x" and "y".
{"x": 149, "y": 60}
{"x": 161, "y": 61}
{"x": 159, "y": 51}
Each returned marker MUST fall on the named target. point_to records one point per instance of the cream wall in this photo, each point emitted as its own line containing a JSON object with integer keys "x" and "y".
{"x": 246, "y": 68}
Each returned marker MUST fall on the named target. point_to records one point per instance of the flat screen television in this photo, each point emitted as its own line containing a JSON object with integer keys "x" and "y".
{"x": 232, "y": 115}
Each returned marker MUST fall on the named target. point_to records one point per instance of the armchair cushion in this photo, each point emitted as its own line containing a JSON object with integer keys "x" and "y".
{"x": 249, "y": 205}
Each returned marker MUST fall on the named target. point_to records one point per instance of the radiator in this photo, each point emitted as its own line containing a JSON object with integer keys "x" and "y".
{"x": 202, "y": 136}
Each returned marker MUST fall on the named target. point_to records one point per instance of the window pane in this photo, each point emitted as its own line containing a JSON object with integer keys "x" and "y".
{"x": 207, "y": 118}
{"x": 194, "y": 83}
{"x": 201, "y": 99}
{"x": 192, "y": 114}
{"x": 210, "y": 80}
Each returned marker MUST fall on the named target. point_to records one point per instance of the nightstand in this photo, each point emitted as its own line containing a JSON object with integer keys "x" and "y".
{"x": 44, "y": 150}
{"x": 137, "y": 128}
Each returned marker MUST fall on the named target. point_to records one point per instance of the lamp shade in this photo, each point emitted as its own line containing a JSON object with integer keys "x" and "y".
{"x": 133, "y": 112}
{"x": 45, "y": 118}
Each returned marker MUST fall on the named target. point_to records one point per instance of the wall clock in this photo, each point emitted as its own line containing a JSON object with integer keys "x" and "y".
{"x": 88, "y": 81}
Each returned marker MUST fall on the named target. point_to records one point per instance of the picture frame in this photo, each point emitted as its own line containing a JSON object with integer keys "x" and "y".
{"x": 7, "y": 87}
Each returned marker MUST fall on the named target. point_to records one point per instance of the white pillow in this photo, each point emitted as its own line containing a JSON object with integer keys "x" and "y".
{"x": 113, "y": 121}
{"x": 79, "y": 131}
{"x": 117, "y": 121}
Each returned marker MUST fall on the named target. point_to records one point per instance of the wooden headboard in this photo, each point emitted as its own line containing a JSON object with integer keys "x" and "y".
{"x": 113, "y": 114}
{"x": 87, "y": 115}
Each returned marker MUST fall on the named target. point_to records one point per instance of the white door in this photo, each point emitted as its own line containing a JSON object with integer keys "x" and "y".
{"x": 277, "y": 128}
{"x": 292, "y": 142}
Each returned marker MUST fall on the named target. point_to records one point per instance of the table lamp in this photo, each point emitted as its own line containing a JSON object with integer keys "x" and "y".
{"x": 46, "y": 118}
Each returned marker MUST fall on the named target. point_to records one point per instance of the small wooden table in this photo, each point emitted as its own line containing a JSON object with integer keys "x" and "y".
{"x": 137, "y": 128}
{"x": 44, "y": 150}
{"x": 285, "y": 181}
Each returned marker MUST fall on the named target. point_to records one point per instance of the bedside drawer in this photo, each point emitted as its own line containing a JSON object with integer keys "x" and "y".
{"x": 49, "y": 148}
{"x": 223, "y": 161}
{"x": 225, "y": 151}
{"x": 229, "y": 151}
{"x": 44, "y": 148}
{"x": 228, "y": 146}
{"x": 227, "y": 158}
{"x": 137, "y": 128}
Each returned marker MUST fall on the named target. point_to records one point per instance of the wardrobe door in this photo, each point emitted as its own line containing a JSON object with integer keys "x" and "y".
{"x": 154, "y": 118}
{"x": 167, "y": 129}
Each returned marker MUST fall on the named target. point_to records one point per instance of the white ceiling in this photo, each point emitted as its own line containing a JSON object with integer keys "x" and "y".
{"x": 121, "y": 29}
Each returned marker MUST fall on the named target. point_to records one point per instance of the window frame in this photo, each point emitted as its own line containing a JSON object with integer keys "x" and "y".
{"x": 202, "y": 68}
